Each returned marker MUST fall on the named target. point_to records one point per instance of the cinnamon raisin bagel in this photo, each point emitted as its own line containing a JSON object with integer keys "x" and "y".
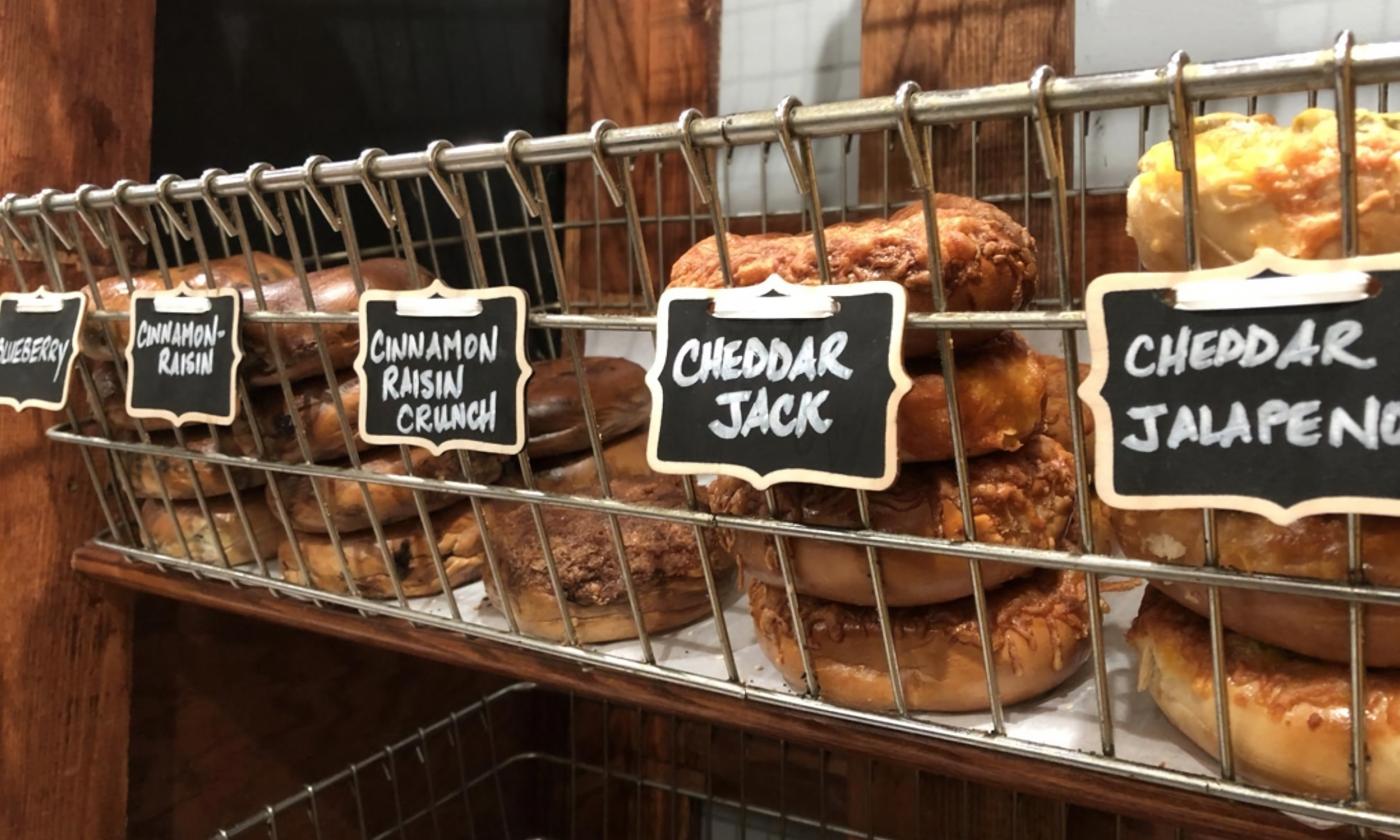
{"x": 988, "y": 261}
{"x": 576, "y": 473}
{"x": 312, "y": 402}
{"x": 1290, "y": 716}
{"x": 663, "y": 558}
{"x": 180, "y": 475}
{"x": 555, "y": 407}
{"x": 1312, "y": 547}
{"x": 1001, "y": 402}
{"x": 345, "y": 502}
{"x": 458, "y": 541}
{"x": 1023, "y": 498}
{"x": 1040, "y": 632}
{"x": 300, "y": 345}
{"x": 188, "y": 519}
{"x": 114, "y": 293}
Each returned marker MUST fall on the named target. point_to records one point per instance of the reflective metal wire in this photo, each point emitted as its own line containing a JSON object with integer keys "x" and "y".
{"x": 612, "y": 158}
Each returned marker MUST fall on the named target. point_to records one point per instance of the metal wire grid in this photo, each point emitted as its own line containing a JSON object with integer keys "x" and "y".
{"x": 294, "y": 208}
{"x": 525, "y": 762}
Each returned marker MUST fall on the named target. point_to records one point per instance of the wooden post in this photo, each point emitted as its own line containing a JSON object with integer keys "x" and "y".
{"x": 634, "y": 62}
{"x": 75, "y": 89}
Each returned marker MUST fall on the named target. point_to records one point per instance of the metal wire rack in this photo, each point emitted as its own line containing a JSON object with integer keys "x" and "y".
{"x": 482, "y": 214}
{"x": 527, "y": 762}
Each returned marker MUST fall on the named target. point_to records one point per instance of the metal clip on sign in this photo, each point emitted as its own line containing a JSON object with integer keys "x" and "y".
{"x": 752, "y": 304}
{"x": 438, "y": 307}
{"x": 1273, "y": 292}
{"x": 38, "y": 301}
{"x": 180, "y": 304}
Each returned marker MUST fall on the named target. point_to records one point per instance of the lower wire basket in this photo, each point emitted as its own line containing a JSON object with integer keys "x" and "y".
{"x": 527, "y": 762}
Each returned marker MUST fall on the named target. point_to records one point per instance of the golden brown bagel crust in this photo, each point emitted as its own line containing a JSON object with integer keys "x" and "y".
{"x": 624, "y": 457}
{"x": 1290, "y": 718}
{"x": 459, "y": 545}
{"x": 332, "y": 290}
{"x": 228, "y": 530}
{"x": 311, "y": 400}
{"x": 392, "y": 503}
{"x": 1039, "y": 634}
{"x": 1023, "y": 498}
{"x": 180, "y": 474}
{"x": 989, "y": 261}
{"x": 1057, "y": 417}
{"x": 555, "y": 407}
{"x": 115, "y": 295}
{"x": 1312, "y": 547}
{"x": 1001, "y": 402}
{"x": 1265, "y": 185}
{"x": 663, "y": 558}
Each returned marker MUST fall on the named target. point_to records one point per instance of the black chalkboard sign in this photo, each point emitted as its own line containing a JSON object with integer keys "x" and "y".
{"x": 1271, "y": 387}
{"x": 38, "y": 346}
{"x": 183, "y": 355}
{"x": 444, "y": 368}
{"x": 778, "y": 382}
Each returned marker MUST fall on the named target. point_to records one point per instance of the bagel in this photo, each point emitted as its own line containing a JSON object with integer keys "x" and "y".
{"x": 180, "y": 475}
{"x": 164, "y": 530}
{"x": 1040, "y": 630}
{"x": 300, "y": 345}
{"x": 663, "y": 558}
{"x": 1001, "y": 402}
{"x": 554, "y": 405}
{"x": 345, "y": 502}
{"x": 988, "y": 261}
{"x": 1265, "y": 185}
{"x": 114, "y": 294}
{"x": 459, "y": 545}
{"x": 624, "y": 457}
{"x": 1290, "y": 717}
{"x": 1312, "y": 547}
{"x": 1057, "y": 418}
{"x": 311, "y": 401}
{"x": 1023, "y": 498}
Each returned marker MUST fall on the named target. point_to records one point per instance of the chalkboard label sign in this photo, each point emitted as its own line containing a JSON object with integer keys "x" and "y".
{"x": 38, "y": 346}
{"x": 779, "y": 382}
{"x": 444, "y": 368}
{"x": 183, "y": 354}
{"x": 1271, "y": 387}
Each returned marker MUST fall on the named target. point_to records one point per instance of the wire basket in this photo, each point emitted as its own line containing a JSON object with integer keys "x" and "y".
{"x": 524, "y": 762}
{"x": 490, "y": 213}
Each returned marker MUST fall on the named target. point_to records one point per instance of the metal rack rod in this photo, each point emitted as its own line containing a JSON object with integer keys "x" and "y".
{"x": 1207, "y": 80}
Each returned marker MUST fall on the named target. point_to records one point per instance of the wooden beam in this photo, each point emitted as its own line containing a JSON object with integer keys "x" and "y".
{"x": 633, "y": 62}
{"x": 1220, "y": 817}
{"x": 75, "y": 89}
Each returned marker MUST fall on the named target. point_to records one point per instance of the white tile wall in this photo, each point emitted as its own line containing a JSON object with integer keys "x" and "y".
{"x": 1128, "y": 34}
{"x": 811, "y": 49}
{"x": 770, "y": 49}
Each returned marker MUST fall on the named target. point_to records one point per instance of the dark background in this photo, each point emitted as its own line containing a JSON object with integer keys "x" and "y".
{"x": 279, "y": 80}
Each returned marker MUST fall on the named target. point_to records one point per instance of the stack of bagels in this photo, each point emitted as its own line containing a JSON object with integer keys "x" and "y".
{"x": 1021, "y": 477}
{"x": 589, "y": 588}
{"x": 1287, "y": 678}
{"x": 328, "y": 538}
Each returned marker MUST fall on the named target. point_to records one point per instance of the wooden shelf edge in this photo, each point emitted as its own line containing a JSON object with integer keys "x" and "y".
{"x": 1211, "y": 815}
